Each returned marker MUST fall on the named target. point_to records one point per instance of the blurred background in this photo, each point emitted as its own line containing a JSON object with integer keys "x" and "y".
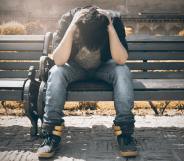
{"x": 140, "y": 16}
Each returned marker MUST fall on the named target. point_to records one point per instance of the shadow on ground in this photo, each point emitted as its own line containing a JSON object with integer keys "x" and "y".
{"x": 94, "y": 144}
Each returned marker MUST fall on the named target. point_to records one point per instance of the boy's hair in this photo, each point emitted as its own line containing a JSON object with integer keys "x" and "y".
{"x": 93, "y": 29}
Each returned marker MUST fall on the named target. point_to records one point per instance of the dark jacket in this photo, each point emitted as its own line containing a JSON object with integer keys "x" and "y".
{"x": 65, "y": 21}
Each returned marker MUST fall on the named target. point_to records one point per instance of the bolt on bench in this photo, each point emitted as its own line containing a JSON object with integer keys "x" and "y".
{"x": 19, "y": 62}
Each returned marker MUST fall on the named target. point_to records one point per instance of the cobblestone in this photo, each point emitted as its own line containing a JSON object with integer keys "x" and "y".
{"x": 91, "y": 139}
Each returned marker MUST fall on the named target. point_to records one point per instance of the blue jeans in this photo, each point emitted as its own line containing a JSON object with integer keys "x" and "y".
{"x": 60, "y": 76}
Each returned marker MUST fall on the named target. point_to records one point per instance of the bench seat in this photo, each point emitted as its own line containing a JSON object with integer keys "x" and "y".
{"x": 145, "y": 89}
{"x": 11, "y": 89}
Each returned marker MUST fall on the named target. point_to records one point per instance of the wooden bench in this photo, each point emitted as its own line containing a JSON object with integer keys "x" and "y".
{"x": 157, "y": 66}
{"x": 18, "y": 55}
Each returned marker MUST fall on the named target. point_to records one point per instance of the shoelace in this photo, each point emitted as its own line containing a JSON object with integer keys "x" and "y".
{"x": 47, "y": 141}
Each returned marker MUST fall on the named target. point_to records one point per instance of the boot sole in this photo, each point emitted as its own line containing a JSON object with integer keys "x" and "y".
{"x": 45, "y": 155}
{"x": 129, "y": 153}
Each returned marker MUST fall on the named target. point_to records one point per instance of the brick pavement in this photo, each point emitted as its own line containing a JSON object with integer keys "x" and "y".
{"x": 91, "y": 139}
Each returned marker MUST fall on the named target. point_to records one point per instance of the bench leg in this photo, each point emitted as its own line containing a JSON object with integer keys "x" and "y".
{"x": 30, "y": 100}
{"x": 41, "y": 100}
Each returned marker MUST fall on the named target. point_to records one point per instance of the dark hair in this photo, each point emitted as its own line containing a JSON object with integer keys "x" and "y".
{"x": 93, "y": 29}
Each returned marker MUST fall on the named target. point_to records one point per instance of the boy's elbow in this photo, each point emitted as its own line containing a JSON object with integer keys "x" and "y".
{"x": 122, "y": 60}
{"x": 57, "y": 62}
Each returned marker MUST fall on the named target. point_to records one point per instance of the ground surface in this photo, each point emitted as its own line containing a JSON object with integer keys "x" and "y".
{"x": 90, "y": 138}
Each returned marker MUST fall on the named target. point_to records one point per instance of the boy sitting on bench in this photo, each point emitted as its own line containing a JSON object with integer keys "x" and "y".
{"x": 90, "y": 44}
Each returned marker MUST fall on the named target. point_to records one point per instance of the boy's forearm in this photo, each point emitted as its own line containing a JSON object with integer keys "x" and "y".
{"x": 118, "y": 52}
{"x": 62, "y": 53}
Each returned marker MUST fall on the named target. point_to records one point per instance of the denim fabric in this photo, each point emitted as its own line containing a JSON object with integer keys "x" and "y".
{"x": 60, "y": 76}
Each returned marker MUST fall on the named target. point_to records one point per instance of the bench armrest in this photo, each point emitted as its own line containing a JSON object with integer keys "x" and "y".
{"x": 45, "y": 64}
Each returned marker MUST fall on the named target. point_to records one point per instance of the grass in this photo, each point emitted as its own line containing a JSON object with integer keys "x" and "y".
{"x": 98, "y": 108}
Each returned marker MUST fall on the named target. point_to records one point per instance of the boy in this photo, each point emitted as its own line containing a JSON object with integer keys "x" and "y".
{"x": 90, "y": 43}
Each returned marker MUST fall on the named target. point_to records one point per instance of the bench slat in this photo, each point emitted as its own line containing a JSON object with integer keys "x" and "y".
{"x": 156, "y": 46}
{"x": 157, "y": 55}
{"x": 139, "y": 95}
{"x": 156, "y": 65}
{"x": 21, "y": 38}
{"x": 158, "y": 75}
{"x": 135, "y": 75}
{"x": 11, "y": 95}
{"x": 139, "y": 84}
{"x": 11, "y": 84}
{"x": 146, "y": 38}
{"x": 21, "y": 46}
{"x": 18, "y": 65}
{"x": 158, "y": 84}
{"x": 132, "y": 65}
{"x": 13, "y": 74}
{"x": 20, "y": 55}
{"x": 159, "y": 95}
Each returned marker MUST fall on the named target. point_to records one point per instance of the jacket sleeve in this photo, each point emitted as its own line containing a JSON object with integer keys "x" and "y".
{"x": 119, "y": 27}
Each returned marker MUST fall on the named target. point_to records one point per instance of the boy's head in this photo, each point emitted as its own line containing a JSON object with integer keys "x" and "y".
{"x": 92, "y": 28}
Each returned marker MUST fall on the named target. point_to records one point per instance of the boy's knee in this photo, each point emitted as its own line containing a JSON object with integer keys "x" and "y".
{"x": 121, "y": 72}
{"x": 58, "y": 72}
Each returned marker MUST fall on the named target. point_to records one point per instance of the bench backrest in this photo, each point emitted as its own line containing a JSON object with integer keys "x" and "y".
{"x": 19, "y": 52}
{"x": 156, "y": 56}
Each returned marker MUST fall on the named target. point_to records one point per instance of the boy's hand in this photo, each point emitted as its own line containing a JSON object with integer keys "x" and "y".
{"x": 106, "y": 13}
{"x": 78, "y": 15}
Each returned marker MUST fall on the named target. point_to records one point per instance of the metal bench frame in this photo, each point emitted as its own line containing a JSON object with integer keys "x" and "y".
{"x": 19, "y": 55}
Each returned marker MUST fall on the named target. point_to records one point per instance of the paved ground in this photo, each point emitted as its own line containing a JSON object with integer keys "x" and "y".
{"x": 91, "y": 139}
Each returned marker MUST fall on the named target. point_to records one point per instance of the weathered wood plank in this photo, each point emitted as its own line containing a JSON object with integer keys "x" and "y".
{"x": 139, "y": 84}
{"x": 161, "y": 46}
{"x": 135, "y": 75}
{"x": 18, "y": 65}
{"x": 11, "y": 95}
{"x": 156, "y": 55}
{"x": 15, "y": 74}
{"x": 156, "y": 65}
{"x": 146, "y": 38}
{"x": 158, "y": 75}
{"x": 20, "y": 55}
{"x": 159, "y": 84}
{"x": 21, "y": 46}
{"x": 131, "y": 65}
{"x": 11, "y": 84}
{"x": 21, "y": 38}
{"x": 139, "y": 95}
{"x": 159, "y": 95}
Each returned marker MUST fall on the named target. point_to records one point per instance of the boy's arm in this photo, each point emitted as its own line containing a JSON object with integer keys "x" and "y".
{"x": 117, "y": 41}
{"x": 62, "y": 52}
